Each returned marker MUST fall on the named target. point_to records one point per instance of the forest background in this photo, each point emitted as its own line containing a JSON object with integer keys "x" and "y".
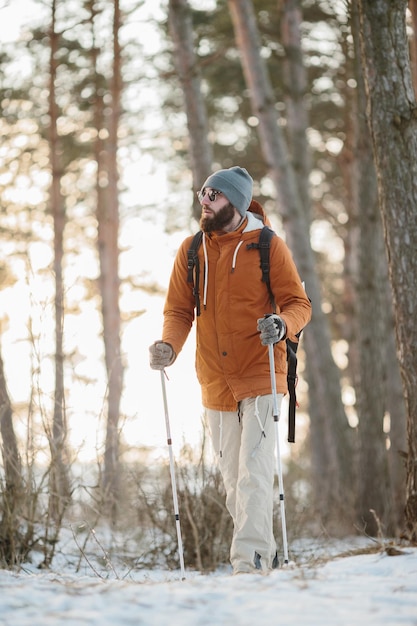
{"x": 113, "y": 113}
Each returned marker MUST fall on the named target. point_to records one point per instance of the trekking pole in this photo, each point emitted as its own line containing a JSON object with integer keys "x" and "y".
{"x": 173, "y": 482}
{"x": 279, "y": 466}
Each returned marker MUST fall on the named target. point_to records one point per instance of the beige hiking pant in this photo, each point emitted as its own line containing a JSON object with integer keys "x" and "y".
{"x": 244, "y": 443}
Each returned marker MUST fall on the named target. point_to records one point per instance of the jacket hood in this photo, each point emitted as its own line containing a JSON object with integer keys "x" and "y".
{"x": 259, "y": 212}
{"x": 257, "y": 217}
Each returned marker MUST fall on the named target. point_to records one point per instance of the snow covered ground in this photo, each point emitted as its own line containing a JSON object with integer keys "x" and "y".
{"x": 372, "y": 589}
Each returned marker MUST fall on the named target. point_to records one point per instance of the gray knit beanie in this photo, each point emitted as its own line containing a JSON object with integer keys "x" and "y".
{"x": 236, "y": 184}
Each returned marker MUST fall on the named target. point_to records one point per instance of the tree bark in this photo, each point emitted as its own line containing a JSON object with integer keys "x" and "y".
{"x": 330, "y": 433}
{"x": 393, "y": 124}
{"x": 375, "y": 497}
{"x": 295, "y": 78}
{"x": 397, "y": 421}
{"x": 108, "y": 235}
{"x": 13, "y": 491}
{"x": 59, "y": 480}
{"x": 10, "y": 451}
{"x": 107, "y": 212}
{"x": 180, "y": 26}
{"x": 412, "y": 5}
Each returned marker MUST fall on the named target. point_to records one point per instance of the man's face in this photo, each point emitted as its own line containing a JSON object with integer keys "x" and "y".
{"x": 216, "y": 214}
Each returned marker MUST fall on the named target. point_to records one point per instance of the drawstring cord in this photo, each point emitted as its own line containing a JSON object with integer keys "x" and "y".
{"x": 263, "y": 434}
{"x": 235, "y": 255}
{"x": 257, "y": 416}
{"x": 221, "y": 435}
{"x": 206, "y": 269}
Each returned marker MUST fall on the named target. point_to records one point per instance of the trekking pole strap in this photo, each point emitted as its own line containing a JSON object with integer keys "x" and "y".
{"x": 291, "y": 383}
{"x": 193, "y": 268}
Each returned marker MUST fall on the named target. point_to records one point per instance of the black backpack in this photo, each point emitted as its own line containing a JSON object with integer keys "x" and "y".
{"x": 263, "y": 246}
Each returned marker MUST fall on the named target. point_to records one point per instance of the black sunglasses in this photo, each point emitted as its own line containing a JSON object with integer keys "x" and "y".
{"x": 212, "y": 194}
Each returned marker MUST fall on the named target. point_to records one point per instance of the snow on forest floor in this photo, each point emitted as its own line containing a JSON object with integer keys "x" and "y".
{"x": 331, "y": 583}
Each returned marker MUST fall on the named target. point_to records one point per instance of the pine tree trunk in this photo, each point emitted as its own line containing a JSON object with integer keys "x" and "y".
{"x": 107, "y": 212}
{"x": 12, "y": 493}
{"x": 412, "y": 5}
{"x": 186, "y": 65}
{"x": 59, "y": 480}
{"x": 330, "y": 433}
{"x": 393, "y": 124}
{"x": 10, "y": 451}
{"x": 295, "y": 77}
{"x": 397, "y": 421}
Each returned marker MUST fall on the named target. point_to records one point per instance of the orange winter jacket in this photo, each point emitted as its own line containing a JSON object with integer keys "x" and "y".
{"x": 231, "y": 362}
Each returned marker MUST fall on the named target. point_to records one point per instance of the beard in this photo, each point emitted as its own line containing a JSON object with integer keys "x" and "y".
{"x": 219, "y": 220}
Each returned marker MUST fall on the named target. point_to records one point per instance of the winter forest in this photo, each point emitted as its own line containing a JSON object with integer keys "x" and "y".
{"x": 113, "y": 113}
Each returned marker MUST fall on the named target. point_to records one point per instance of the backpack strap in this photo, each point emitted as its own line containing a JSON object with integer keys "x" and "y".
{"x": 193, "y": 268}
{"x": 263, "y": 245}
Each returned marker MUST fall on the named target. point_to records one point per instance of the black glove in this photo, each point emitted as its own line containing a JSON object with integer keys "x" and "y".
{"x": 272, "y": 329}
{"x": 161, "y": 355}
